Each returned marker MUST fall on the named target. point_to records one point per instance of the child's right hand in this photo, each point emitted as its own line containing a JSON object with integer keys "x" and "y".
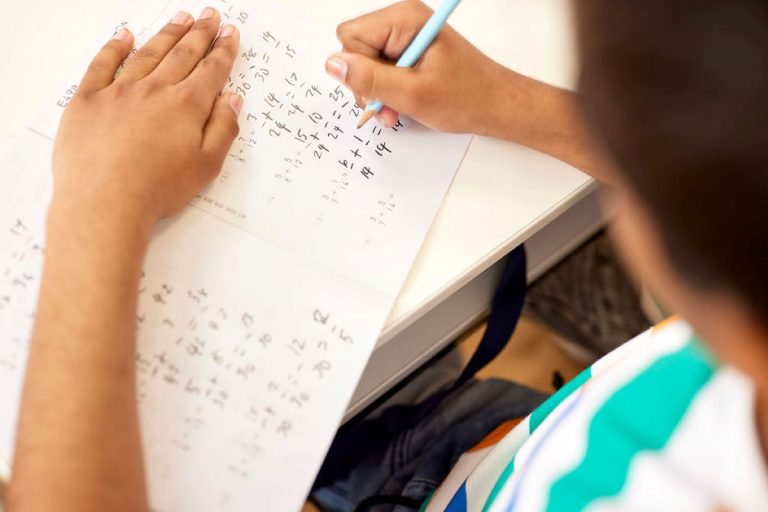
{"x": 453, "y": 88}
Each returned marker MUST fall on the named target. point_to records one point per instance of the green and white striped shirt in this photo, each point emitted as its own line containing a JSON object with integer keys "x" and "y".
{"x": 655, "y": 425}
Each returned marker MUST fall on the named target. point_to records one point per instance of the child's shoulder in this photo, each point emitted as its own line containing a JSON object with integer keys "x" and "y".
{"x": 658, "y": 402}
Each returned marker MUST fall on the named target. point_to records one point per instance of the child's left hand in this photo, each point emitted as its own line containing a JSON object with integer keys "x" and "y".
{"x": 129, "y": 151}
{"x": 141, "y": 145}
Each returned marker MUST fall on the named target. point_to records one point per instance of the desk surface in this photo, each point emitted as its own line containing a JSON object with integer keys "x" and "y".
{"x": 502, "y": 194}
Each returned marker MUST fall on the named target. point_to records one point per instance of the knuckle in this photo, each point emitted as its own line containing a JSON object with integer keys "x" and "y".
{"x": 416, "y": 8}
{"x": 213, "y": 64}
{"x": 344, "y": 30}
{"x": 147, "y": 53}
{"x": 187, "y": 96}
{"x": 122, "y": 89}
{"x": 150, "y": 86}
{"x": 183, "y": 52}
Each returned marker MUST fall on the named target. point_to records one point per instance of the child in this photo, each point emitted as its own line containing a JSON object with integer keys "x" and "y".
{"x": 675, "y": 93}
{"x": 672, "y": 420}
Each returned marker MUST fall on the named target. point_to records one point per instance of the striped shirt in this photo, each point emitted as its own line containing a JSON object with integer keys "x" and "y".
{"x": 654, "y": 425}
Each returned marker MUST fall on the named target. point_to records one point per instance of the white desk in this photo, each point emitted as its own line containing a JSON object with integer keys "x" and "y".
{"x": 503, "y": 194}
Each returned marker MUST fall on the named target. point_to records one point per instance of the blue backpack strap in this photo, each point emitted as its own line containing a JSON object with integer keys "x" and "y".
{"x": 357, "y": 439}
{"x": 506, "y": 309}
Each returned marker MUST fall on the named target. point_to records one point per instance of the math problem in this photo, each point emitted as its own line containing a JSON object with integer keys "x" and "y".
{"x": 208, "y": 358}
{"x": 308, "y": 126}
{"x": 259, "y": 304}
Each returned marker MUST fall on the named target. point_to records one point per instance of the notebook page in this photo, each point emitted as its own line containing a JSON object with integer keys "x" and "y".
{"x": 247, "y": 356}
{"x": 300, "y": 175}
{"x": 261, "y": 302}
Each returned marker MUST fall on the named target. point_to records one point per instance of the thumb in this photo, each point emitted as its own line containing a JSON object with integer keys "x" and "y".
{"x": 371, "y": 79}
{"x": 221, "y": 129}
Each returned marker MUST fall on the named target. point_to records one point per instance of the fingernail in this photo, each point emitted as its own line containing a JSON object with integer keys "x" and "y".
{"x": 227, "y": 31}
{"x": 207, "y": 13}
{"x": 236, "y": 102}
{"x": 337, "y": 68}
{"x": 121, "y": 34}
{"x": 181, "y": 18}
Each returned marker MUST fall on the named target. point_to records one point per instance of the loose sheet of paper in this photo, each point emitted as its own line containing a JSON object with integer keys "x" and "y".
{"x": 261, "y": 302}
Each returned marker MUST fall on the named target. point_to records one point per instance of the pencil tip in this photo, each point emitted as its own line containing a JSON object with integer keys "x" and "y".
{"x": 367, "y": 116}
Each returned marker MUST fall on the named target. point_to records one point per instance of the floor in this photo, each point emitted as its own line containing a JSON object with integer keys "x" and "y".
{"x": 532, "y": 356}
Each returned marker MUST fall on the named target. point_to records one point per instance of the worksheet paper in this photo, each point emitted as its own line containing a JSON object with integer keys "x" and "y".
{"x": 262, "y": 301}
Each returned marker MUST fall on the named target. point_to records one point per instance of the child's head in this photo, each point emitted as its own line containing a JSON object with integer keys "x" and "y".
{"x": 678, "y": 92}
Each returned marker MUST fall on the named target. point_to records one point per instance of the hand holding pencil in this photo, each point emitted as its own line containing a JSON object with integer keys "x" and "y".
{"x": 452, "y": 87}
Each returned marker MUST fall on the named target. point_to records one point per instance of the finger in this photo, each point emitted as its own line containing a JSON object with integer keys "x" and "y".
{"x": 101, "y": 71}
{"x": 386, "y": 32}
{"x": 211, "y": 73}
{"x": 186, "y": 54}
{"x": 387, "y": 117}
{"x": 146, "y": 59}
{"x": 362, "y": 49}
{"x": 398, "y": 88}
{"x": 221, "y": 129}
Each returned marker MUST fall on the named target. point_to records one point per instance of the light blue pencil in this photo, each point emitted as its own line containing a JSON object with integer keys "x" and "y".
{"x": 416, "y": 49}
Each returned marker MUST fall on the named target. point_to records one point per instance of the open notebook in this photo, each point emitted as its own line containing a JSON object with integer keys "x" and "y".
{"x": 261, "y": 303}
